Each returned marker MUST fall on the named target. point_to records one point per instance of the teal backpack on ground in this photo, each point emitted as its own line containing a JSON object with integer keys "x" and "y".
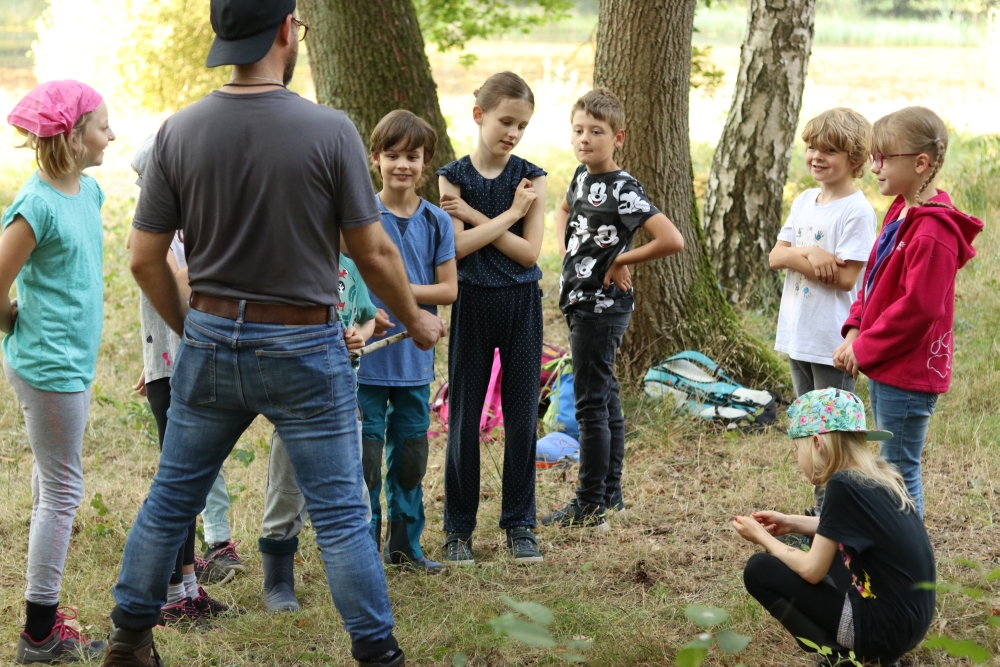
{"x": 560, "y": 416}
{"x": 697, "y": 385}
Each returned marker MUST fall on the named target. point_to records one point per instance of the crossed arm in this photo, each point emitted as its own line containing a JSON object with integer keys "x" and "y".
{"x": 816, "y": 264}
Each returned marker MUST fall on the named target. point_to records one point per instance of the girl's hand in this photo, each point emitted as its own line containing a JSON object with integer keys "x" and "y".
{"x": 848, "y": 362}
{"x": 382, "y": 323}
{"x": 619, "y": 275}
{"x": 775, "y": 523}
{"x": 749, "y": 529}
{"x": 457, "y": 207}
{"x": 826, "y": 266}
{"x": 354, "y": 340}
{"x": 140, "y": 386}
{"x": 524, "y": 196}
{"x": 838, "y": 354}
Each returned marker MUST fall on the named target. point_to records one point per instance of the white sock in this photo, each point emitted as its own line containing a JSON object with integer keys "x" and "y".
{"x": 191, "y": 584}
{"x": 176, "y": 593}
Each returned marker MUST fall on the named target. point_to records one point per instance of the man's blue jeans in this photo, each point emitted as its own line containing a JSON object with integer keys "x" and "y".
{"x": 907, "y": 414}
{"x": 226, "y": 373}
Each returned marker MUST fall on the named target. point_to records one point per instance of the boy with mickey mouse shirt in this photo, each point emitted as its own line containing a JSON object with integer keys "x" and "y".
{"x": 595, "y": 224}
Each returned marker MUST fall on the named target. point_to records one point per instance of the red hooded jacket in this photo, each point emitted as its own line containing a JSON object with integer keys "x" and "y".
{"x": 905, "y": 319}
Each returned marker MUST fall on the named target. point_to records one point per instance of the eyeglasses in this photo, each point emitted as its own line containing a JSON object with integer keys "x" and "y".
{"x": 878, "y": 159}
{"x": 305, "y": 28}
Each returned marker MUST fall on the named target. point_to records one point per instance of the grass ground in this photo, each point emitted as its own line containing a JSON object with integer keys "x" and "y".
{"x": 626, "y": 592}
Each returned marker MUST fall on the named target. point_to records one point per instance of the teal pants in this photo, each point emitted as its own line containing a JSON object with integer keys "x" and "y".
{"x": 396, "y": 418}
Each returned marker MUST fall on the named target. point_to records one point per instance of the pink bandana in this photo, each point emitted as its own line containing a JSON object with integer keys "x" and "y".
{"x": 53, "y": 108}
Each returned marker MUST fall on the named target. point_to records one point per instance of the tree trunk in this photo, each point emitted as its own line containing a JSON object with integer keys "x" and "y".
{"x": 644, "y": 57}
{"x": 368, "y": 58}
{"x": 743, "y": 203}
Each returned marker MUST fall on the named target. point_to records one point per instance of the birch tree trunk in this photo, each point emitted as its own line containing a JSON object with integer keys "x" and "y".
{"x": 367, "y": 59}
{"x": 644, "y": 57}
{"x": 743, "y": 202}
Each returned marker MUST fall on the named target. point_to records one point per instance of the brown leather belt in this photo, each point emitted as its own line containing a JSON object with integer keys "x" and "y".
{"x": 264, "y": 313}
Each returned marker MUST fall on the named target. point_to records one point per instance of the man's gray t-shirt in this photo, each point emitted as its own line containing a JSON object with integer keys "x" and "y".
{"x": 261, "y": 185}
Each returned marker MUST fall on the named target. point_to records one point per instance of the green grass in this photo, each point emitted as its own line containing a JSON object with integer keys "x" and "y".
{"x": 626, "y": 592}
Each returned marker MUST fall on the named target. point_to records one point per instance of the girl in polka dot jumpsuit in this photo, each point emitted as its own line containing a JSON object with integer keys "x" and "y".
{"x": 496, "y": 201}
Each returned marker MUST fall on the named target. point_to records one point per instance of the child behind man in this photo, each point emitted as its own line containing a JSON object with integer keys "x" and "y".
{"x": 604, "y": 207}
{"x": 824, "y": 246}
{"x": 394, "y": 382}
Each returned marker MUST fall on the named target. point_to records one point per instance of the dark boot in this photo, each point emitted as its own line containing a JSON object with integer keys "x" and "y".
{"x": 279, "y": 582}
{"x": 377, "y": 533}
{"x": 131, "y": 649}
{"x": 398, "y": 552}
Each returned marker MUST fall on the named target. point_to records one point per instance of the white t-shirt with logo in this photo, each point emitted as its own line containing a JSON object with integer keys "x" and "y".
{"x": 812, "y": 313}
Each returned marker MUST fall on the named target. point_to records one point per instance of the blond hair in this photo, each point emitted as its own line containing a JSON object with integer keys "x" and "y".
{"x": 603, "y": 105}
{"x": 913, "y": 130}
{"x": 503, "y": 86}
{"x": 53, "y": 154}
{"x": 848, "y": 451}
{"x": 841, "y": 129}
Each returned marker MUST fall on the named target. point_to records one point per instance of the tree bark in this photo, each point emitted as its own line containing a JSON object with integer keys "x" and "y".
{"x": 644, "y": 57}
{"x": 745, "y": 186}
{"x": 368, "y": 58}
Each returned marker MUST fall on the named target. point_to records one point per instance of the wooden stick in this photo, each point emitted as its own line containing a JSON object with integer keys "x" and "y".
{"x": 378, "y": 345}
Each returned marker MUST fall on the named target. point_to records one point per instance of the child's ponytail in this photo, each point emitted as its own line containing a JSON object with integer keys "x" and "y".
{"x": 913, "y": 130}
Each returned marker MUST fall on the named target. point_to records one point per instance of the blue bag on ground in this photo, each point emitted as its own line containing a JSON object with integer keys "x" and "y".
{"x": 556, "y": 447}
{"x": 560, "y": 417}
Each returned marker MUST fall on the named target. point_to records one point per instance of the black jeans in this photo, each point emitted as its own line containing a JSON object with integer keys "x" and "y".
{"x": 594, "y": 339}
{"x": 806, "y": 610}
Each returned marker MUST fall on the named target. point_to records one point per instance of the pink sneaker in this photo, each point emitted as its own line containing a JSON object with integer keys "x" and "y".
{"x": 64, "y": 643}
{"x": 220, "y": 564}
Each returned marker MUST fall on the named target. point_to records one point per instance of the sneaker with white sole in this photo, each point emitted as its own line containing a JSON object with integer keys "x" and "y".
{"x": 458, "y": 549}
{"x": 220, "y": 564}
{"x": 575, "y": 516}
{"x": 64, "y": 644}
{"x": 523, "y": 545}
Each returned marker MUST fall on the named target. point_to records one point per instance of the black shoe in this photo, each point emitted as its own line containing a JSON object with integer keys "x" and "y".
{"x": 131, "y": 649}
{"x": 577, "y": 517}
{"x": 220, "y": 564}
{"x": 523, "y": 545}
{"x": 458, "y": 549}
{"x": 390, "y": 659}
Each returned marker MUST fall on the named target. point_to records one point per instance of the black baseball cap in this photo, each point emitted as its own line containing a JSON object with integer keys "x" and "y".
{"x": 245, "y": 29}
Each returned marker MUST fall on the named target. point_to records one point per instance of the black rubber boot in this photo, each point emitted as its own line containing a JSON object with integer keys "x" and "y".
{"x": 279, "y": 582}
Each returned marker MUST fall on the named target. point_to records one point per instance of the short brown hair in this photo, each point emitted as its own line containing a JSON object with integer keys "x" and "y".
{"x": 404, "y": 131}
{"x": 841, "y": 129}
{"x": 604, "y": 105}
{"x": 53, "y": 154}
{"x": 503, "y": 86}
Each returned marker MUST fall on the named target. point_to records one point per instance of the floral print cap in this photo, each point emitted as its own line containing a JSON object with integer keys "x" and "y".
{"x": 826, "y": 410}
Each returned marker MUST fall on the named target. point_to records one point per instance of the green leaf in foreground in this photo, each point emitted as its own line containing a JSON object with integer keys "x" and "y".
{"x": 522, "y": 631}
{"x": 691, "y": 657}
{"x": 532, "y": 610}
{"x": 730, "y": 642}
{"x": 705, "y": 617}
{"x": 459, "y": 660}
{"x": 959, "y": 649}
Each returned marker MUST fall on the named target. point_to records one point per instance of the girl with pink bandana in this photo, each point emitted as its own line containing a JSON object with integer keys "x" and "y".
{"x": 52, "y": 246}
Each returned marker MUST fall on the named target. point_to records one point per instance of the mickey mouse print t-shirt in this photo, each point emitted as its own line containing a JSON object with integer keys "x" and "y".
{"x": 604, "y": 212}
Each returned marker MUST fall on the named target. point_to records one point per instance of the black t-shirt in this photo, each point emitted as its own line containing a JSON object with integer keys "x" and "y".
{"x": 888, "y": 553}
{"x": 488, "y": 267}
{"x": 604, "y": 212}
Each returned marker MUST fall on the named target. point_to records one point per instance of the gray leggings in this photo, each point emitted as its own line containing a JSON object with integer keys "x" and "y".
{"x": 55, "y": 424}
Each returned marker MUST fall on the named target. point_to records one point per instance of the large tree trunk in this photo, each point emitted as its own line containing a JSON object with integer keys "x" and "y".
{"x": 368, "y": 58}
{"x": 644, "y": 56}
{"x": 743, "y": 203}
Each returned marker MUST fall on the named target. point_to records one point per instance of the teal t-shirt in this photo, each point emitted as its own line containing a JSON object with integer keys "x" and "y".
{"x": 60, "y": 290}
{"x": 355, "y": 305}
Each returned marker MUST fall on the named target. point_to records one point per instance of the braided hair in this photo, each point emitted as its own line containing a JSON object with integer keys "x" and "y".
{"x": 914, "y": 130}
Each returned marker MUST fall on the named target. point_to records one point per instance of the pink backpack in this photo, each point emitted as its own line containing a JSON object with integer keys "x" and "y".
{"x": 492, "y": 418}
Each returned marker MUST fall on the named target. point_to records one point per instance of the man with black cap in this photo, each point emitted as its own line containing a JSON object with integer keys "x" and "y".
{"x": 261, "y": 182}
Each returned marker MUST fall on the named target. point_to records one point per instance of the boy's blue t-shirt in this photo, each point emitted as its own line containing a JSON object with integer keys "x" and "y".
{"x": 355, "y": 306}
{"x": 488, "y": 267}
{"x": 60, "y": 290}
{"x": 425, "y": 240}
